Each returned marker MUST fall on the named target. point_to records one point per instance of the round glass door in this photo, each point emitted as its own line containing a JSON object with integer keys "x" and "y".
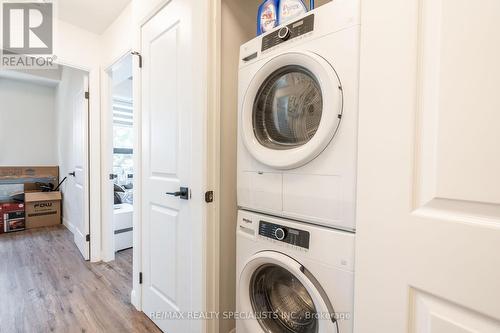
{"x": 291, "y": 110}
{"x": 287, "y": 109}
{"x": 282, "y": 296}
{"x": 281, "y": 302}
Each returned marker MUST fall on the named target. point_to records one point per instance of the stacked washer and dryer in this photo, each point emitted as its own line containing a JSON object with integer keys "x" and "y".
{"x": 297, "y": 150}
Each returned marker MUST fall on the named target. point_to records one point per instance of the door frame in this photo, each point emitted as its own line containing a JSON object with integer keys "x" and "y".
{"x": 211, "y": 158}
{"x": 108, "y": 252}
{"x": 93, "y": 148}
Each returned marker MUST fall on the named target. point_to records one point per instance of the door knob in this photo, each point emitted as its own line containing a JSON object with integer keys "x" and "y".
{"x": 72, "y": 174}
{"x": 183, "y": 193}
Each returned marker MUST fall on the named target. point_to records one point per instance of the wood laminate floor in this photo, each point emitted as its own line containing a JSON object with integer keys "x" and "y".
{"x": 46, "y": 286}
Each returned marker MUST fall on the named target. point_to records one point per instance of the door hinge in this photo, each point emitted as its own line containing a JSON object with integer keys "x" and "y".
{"x": 140, "y": 57}
{"x": 87, "y": 95}
{"x": 87, "y": 238}
{"x": 209, "y": 196}
{"x": 140, "y": 278}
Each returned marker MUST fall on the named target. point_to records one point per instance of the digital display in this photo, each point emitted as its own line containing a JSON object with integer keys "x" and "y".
{"x": 297, "y": 28}
{"x": 292, "y": 236}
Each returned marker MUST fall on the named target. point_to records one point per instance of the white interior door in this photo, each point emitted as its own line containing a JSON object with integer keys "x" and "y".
{"x": 428, "y": 240}
{"x": 173, "y": 148}
{"x": 77, "y": 196}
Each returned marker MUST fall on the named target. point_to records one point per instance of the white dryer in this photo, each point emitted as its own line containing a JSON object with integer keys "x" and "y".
{"x": 297, "y": 118}
{"x": 293, "y": 277}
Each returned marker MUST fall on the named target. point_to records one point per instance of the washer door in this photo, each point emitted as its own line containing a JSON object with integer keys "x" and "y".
{"x": 283, "y": 297}
{"x": 292, "y": 110}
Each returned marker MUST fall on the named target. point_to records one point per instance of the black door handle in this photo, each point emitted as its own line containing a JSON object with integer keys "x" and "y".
{"x": 72, "y": 174}
{"x": 183, "y": 193}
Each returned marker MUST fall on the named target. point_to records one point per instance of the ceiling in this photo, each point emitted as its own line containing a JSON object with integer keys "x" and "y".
{"x": 91, "y": 15}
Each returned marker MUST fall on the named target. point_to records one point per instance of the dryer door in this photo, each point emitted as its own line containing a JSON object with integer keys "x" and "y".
{"x": 283, "y": 297}
{"x": 291, "y": 110}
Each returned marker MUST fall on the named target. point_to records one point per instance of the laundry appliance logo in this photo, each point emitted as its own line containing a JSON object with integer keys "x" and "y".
{"x": 28, "y": 34}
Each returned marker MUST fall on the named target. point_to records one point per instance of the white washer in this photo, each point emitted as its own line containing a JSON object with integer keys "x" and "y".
{"x": 297, "y": 118}
{"x": 293, "y": 277}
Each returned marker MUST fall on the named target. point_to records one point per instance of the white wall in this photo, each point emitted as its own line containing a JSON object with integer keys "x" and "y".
{"x": 27, "y": 124}
{"x": 117, "y": 39}
{"x": 142, "y": 9}
{"x": 77, "y": 47}
{"x": 238, "y": 26}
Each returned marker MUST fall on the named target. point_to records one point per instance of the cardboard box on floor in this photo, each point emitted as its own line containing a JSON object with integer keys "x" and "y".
{"x": 43, "y": 209}
{"x": 12, "y": 216}
{"x": 22, "y": 172}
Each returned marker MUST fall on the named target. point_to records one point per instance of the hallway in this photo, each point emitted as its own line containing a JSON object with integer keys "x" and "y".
{"x": 46, "y": 286}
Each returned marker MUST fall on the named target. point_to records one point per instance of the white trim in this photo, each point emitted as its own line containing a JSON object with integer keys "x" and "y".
{"x": 68, "y": 225}
{"x": 213, "y": 163}
{"x": 108, "y": 253}
{"x": 136, "y": 295}
{"x": 62, "y": 62}
{"x": 145, "y": 19}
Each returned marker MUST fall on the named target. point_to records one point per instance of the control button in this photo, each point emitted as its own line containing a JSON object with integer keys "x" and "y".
{"x": 280, "y": 234}
{"x": 284, "y": 33}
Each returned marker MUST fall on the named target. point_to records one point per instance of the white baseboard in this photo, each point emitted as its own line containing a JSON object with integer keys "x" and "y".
{"x": 69, "y": 225}
{"x": 133, "y": 299}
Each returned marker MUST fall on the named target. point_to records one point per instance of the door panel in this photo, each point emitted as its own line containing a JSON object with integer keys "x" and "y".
{"x": 164, "y": 103}
{"x": 434, "y": 315}
{"x": 79, "y": 217}
{"x": 164, "y": 223}
{"x": 457, "y": 119}
{"x": 428, "y": 195}
{"x": 172, "y": 142}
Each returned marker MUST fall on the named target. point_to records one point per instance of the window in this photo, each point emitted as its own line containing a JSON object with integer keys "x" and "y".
{"x": 123, "y": 141}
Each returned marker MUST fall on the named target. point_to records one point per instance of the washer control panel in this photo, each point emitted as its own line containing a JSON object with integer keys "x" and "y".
{"x": 289, "y": 31}
{"x": 284, "y": 234}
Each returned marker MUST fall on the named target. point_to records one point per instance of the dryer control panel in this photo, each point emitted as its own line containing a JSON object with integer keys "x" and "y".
{"x": 284, "y": 234}
{"x": 289, "y": 31}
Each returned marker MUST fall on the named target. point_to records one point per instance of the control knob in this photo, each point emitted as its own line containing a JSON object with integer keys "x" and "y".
{"x": 284, "y": 33}
{"x": 280, "y": 234}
